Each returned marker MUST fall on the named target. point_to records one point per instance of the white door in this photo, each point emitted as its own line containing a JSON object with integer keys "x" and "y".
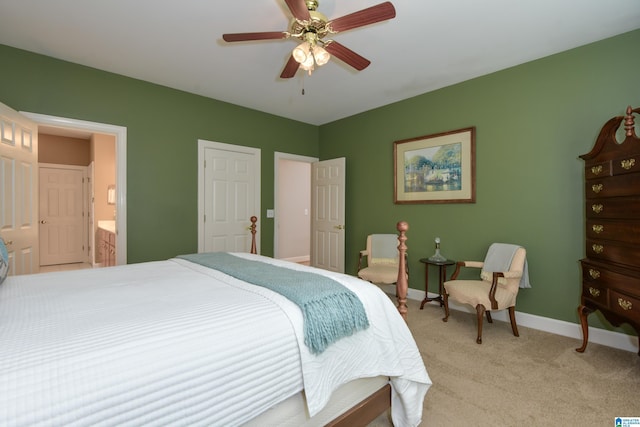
{"x": 62, "y": 220}
{"x": 229, "y": 194}
{"x": 19, "y": 190}
{"x": 328, "y": 219}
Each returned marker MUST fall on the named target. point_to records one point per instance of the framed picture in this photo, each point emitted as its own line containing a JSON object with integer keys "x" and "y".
{"x": 437, "y": 168}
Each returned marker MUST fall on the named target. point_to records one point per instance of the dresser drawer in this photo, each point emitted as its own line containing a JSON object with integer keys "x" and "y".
{"x": 597, "y": 170}
{"x": 625, "y": 306}
{"x": 624, "y": 165}
{"x": 615, "y": 277}
{"x": 627, "y": 230}
{"x": 613, "y": 186}
{"x": 596, "y": 293}
{"x": 627, "y": 207}
{"x": 607, "y": 250}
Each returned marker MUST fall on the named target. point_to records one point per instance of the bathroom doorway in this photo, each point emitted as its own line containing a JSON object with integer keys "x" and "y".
{"x": 98, "y": 205}
{"x": 77, "y": 173}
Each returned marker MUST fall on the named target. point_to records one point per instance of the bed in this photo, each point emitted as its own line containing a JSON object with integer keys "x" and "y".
{"x": 176, "y": 342}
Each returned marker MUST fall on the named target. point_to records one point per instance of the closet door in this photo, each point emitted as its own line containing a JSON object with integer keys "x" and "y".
{"x": 229, "y": 195}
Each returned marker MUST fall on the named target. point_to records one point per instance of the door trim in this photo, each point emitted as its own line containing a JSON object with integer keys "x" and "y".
{"x": 256, "y": 152}
{"x": 276, "y": 190}
{"x": 120, "y": 134}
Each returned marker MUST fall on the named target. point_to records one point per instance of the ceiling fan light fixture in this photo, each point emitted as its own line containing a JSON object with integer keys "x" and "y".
{"x": 308, "y": 54}
{"x": 308, "y": 64}
{"x": 302, "y": 52}
{"x": 321, "y": 55}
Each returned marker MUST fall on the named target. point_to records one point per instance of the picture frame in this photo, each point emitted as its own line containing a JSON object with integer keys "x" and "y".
{"x": 438, "y": 168}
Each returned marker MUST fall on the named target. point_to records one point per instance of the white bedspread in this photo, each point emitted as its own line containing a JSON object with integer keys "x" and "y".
{"x": 174, "y": 343}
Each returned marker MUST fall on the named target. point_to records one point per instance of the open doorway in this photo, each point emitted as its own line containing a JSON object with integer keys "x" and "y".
{"x": 76, "y": 215}
{"x": 111, "y": 203}
{"x": 292, "y": 195}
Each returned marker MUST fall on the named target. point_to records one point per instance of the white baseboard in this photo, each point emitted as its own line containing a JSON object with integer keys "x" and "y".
{"x": 559, "y": 327}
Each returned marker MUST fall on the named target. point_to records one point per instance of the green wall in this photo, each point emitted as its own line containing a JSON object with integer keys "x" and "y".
{"x": 532, "y": 122}
{"x": 163, "y": 127}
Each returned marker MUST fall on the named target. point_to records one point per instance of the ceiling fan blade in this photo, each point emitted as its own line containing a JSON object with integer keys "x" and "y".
{"x": 347, "y": 55}
{"x": 243, "y": 37}
{"x": 299, "y": 9}
{"x": 290, "y": 69}
{"x": 367, "y": 16}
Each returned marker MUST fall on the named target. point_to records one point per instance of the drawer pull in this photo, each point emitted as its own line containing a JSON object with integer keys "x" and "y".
{"x": 628, "y": 164}
{"x": 596, "y": 170}
{"x": 594, "y": 292}
{"x": 597, "y": 248}
{"x": 626, "y": 305}
{"x": 595, "y": 274}
{"x": 597, "y": 188}
{"x": 597, "y": 228}
{"x": 597, "y": 208}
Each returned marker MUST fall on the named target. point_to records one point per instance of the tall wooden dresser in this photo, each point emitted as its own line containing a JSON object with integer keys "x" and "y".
{"x": 611, "y": 269}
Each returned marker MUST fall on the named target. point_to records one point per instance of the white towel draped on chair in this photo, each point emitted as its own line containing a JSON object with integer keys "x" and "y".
{"x": 498, "y": 258}
{"x": 384, "y": 247}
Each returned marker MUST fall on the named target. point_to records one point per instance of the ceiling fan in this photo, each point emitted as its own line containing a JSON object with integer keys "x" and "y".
{"x": 311, "y": 27}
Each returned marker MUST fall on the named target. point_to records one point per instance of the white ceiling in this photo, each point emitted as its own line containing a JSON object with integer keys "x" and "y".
{"x": 430, "y": 44}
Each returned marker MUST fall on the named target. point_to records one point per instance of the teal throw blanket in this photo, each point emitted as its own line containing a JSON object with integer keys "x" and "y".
{"x": 330, "y": 311}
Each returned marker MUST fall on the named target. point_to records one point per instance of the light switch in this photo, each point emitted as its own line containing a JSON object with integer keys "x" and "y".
{"x": 270, "y": 213}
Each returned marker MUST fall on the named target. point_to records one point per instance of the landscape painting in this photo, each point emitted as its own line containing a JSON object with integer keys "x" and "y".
{"x": 436, "y": 168}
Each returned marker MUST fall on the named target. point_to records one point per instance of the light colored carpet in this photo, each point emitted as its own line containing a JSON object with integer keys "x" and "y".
{"x": 537, "y": 379}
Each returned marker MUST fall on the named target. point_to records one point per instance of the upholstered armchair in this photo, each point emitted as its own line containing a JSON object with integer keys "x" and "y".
{"x": 502, "y": 274}
{"x": 381, "y": 255}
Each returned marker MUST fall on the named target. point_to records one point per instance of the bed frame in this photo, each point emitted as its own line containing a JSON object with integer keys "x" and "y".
{"x": 370, "y": 408}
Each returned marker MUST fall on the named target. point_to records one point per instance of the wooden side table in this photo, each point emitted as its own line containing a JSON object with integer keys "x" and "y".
{"x": 442, "y": 276}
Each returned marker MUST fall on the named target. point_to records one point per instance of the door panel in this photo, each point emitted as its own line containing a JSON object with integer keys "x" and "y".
{"x": 328, "y": 220}
{"x": 19, "y": 173}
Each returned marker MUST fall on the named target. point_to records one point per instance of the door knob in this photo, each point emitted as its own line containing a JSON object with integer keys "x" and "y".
{"x": 339, "y": 227}
{"x": 43, "y": 221}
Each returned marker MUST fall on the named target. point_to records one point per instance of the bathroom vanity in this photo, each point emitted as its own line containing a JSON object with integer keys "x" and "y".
{"x": 106, "y": 243}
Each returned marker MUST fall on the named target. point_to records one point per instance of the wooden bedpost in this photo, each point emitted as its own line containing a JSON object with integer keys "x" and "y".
{"x": 254, "y": 219}
{"x": 401, "y": 284}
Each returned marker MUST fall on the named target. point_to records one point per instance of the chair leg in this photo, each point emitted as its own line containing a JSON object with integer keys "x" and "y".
{"x": 489, "y": 319}
{"x": 481, "y": 310}
{"x": 512, "y": 316}
{"x": 445, "y": 300}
